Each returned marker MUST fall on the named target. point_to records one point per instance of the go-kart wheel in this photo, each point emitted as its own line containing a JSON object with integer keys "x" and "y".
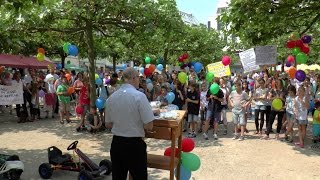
{"x": 45, "y": 170}
{"x": 14, "y": 174}
{"x": 72, "y": 146}
{"x": 107, "y": 164}
{"x": 85, "y": 175}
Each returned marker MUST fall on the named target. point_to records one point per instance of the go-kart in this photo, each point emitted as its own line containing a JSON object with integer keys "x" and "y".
{"x": 10, "y": 167}
{"x": 85, "y": 166}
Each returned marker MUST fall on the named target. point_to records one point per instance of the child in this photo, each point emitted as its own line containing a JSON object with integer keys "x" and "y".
{"x": 64, "y": 100}
{"x": 301, "y": 106}
{"x": 162, "y": 96}
{"x": 84, "y": 98}
{"x": 316, "y": 123}
{"x": 92, "y": 122}
{"x": 193, "y": 105}
{"x": 203, "y": 105}
{"x": 224, "y": 105}
{"x": 239, "y": 100}
{"x": 289, "y": 113}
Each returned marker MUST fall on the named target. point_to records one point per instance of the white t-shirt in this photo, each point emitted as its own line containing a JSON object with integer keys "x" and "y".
{"x": 50, "y": 79}
{"x": 302, "y": 111}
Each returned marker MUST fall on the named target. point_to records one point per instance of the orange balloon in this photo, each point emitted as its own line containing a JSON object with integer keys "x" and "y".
{"x": 68, "y": 76}
{"x": 1, "y": 69}
{"x": 70, "y": 90}
{"x": 152, "y": 67}
{"x": 41, "y": 50}
{"x": 292, "y": 72}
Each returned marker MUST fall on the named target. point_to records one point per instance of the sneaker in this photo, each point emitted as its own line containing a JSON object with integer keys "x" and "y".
{"x": 225, "y": 132}
{"x": 205, "y": 136}
{"x": 241, "y": 138}
{"x": 215, "y": 137}
{"x": 234, "y": 137}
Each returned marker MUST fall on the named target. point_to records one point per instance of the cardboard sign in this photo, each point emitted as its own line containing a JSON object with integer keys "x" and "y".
{"x": 11, "y": 94}
{"x": 248, "y": 60}
{"x": 218, "y": 69}
{"x": 265, "y": 55}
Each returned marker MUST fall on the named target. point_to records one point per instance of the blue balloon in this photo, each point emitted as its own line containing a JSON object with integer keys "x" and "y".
{"x": 311, "y": 105}
{"x": 193, "y": 63}
{"x": 148, "y": 81}
{"x": 170, "y": 97}
{"x": 185, "y": 174}
{"x": 98, "y": 81}
{"x": 59, "y": 66}
{"x": 160, "y": 67}
{"x": 73, "y": 50}
{"x": 100, "y": 103}
{"x": 197, "y": 67}
{"x": 124, "y": 66}
{"x": 141, "y": 70}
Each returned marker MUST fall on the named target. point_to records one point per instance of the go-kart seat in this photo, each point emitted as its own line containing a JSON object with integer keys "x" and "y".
{"x": 56, "y": 157}
{"x": 87, "y": 160}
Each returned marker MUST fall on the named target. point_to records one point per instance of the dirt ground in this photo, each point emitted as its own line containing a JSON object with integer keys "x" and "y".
{"x": 225, "y": 158}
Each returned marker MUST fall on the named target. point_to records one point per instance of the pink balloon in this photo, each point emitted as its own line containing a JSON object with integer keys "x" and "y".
{"x": 226, "y": 60}
{"x": 252, "y": 83}
{"x": 290, "y": 59}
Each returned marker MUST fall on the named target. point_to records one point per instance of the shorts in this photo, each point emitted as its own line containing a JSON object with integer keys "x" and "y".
{"x": 63, "y": 108}
{"x": 290, "y": 117}
{"x": 238, "y": 118}
{"x": 316, "y": 130}
{"x": 260, "y": 107}
{"x": 302, "y": 122}
{"x": 193, "y": 118}
{"x": 216, "y": 117}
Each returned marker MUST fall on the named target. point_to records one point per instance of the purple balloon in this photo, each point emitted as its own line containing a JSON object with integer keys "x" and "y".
{"x": 306, "y": 39}
{"x": 107, "y": 81}
{"x": 288, "y": 64}
{"x": 41, "y": 93}
{"x": 300, "y": 75}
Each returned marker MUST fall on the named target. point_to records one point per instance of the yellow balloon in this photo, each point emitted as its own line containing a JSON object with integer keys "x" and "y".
{"x": 40, "y": 57}
{"x": 277, "y": 104}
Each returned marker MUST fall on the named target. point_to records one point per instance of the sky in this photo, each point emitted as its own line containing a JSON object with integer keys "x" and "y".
{"x": 200, "y": 9}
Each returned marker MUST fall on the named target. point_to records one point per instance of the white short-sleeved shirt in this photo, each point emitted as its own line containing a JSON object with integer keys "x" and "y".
{"x": 128, "y": 109}
{"x": 50, "y": 79}
{"x": 302, "y": 112}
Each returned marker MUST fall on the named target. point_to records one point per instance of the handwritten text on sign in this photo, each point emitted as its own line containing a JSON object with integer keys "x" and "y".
{"x": 11, "y": 94}
{"x": 219, "y": 70}
{"x": 248, "y": 60}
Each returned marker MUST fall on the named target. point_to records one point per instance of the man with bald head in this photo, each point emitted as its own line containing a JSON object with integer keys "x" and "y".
{"x": 129, "y": 114}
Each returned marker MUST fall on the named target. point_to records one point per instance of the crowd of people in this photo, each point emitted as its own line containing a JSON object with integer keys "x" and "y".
{"x": 246, "y": 96}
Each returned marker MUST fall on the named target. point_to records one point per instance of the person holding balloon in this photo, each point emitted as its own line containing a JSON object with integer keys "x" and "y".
{"x": 84, "y": 101}
{"x": 290, "y": 117}
{"x": 64, "y": 100}
{"x": 193, "y": 107}
{"x": 260, "y": 97}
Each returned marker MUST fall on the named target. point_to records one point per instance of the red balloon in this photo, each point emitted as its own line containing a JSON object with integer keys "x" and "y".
{"x": 305, "y": 49}
{"x": 185, "y": 56}
{"x": 147, "y": 72}
{"x": 290, "y": 59}
{"x": 168, "y": 151}
{"x": 226, "y": 60}
{"x": 79, "y": 110}
{"x": 187, "y": 144}
{"x": 291, "y": 44}
{"x": 299, "y": 43}
{"x": 180, "y": 59}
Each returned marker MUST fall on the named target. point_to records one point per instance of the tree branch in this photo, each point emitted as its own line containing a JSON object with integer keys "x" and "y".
{"x": 62, "y": 30}
{"x": 102, "y": 32}
{"x": 315, "y": 19}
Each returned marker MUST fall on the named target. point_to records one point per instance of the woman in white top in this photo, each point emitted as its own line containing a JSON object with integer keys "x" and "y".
{"x": 301, "y": 106}
{"x": 260, "y": 96}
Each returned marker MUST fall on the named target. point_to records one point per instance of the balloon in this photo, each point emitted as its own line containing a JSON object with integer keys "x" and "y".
{"x": 291, "y": 44}
{"x": 301, "y": 58}
{"x": 306, "y": 39}
{"x": 214, "y": 88}
{"x": 96, "y": 76}
{"x": 185, "y": 56}
{"x": 290, "y": 59}
{"x": 160, "y": 67}
{"x": 147, "y": 72}
{"x": 68, "y": 62}
{"x": 149, "y": 87}
{"x": 185, "y": 174}
{"x": 107, "y": 81}
{"x": 182, "y": 77}
{"x": 100, "y": 103}
{"x": 197, "y": 67}
{"x": 251, "y": 83}
{"x": 2, "y": 69}
{"x": 73, "y": 50}
{"x": 68, "y": 76}
{"x": 41, "y": 93}
{"x": 300, "y": 75}
{"x": 233, "y": 88}
{"x": 299, "y": 43}
{"x": 292, "y": 72}
{"x": 41, "y": 50}
{"x": 311, "y": 105}
{"x": 152, "y": 67}
{"x": 40, "y": 57}
{"x": 124, "y": 66}
{"x": 70, "y": 90}
{"x": 168, "y": 151}
{"x": 66, "y": 47}
{"x": 170, "y": 97}
{"x": 141, "y": 70}
{"x": 148, "y": 81}
{"x": 209, "y": 77}
{"x": 316, "y": 115}
{"x": 295, "y": 51}
{"x": 49, "y": 66}
{"x": 190, "y": 161}
{"x": 226, "y": 60}
{"x": 180, "y": 59}
{"x": 187, "y": 144}
{"x": 147, "y": 60}
{"x": 160, "y": 60}
{"x": 59, "y": 66}
{"x": 79, "y": 110}
{"x": 99, "y": 82}
{"x": 277, "y": 104}
{"x": 295, "y": 36}
{"x": 288, "y": 64}
{"x": 305, "y": 49}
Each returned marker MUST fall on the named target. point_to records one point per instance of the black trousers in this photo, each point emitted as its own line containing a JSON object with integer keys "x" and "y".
{"x": 129, "y": 154}
{"x": 26, "y": 98}
{"x": 271, "y": 120}
{"x": 256, "y": 120}
{"x": 268, "y": 116}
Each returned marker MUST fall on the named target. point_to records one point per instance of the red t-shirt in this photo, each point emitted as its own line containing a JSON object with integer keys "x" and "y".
{"x": 84, "y": 96}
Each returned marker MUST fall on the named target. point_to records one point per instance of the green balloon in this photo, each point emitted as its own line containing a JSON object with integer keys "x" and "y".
{"x": 209, "y": 77}
{"x": 233, "y": 88}
{"x": 180, "y": 63}
{"x": 190, "y": 161}
{"x": 96, "y": 76}
{"x": 147, "y": 60}
{"x": 66, "y": 47}
{"x": 214, "y": 88}
{"x": 301, "y": 58}
{"x": 277, "y": 104}
{"x": 295, "y": 51}
{"x": 182, "y": 77}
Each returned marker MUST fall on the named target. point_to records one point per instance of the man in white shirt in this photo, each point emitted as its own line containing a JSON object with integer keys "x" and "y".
{"x": 50, "y": 97}
{"x": 129, "y": 113}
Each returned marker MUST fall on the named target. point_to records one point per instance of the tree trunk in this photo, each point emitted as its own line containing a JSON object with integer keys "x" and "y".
{"x": 114, "y": 62}
{"x": 91, "y": 56}
{"x": 165, "y": 59}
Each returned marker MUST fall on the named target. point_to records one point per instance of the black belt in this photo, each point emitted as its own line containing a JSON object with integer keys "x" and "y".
{"x": 121, "y": 138}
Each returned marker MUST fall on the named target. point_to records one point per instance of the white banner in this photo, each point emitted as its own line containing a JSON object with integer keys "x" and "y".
{"x": 11, "y": 94}
{"x": 248, "y": 60}
{"x": 265, "y": 55}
